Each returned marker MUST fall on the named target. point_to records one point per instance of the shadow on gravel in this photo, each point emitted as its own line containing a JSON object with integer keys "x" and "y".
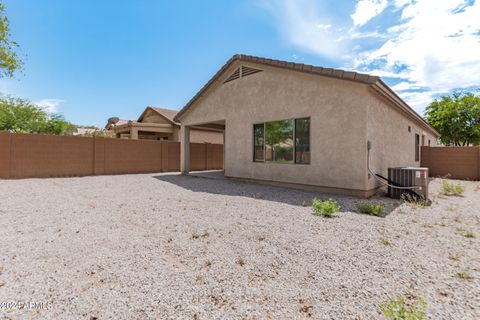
{"x": 269, "y": 193}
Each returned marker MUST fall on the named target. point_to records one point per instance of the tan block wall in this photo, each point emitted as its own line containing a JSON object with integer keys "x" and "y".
{"x": 39, "y": 156}
{"x": 452, "y": 162}
{"x": 200, "y": 136}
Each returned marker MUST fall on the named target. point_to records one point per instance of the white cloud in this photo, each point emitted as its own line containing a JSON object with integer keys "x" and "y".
{"x": 324, "y": 26}
{"x": 307, "y": 25}
{"x": 436, "y": 45}
{"x": 430, "y": 47}
{"x": 50, "y": 105}
{"x": 366, "y": 10}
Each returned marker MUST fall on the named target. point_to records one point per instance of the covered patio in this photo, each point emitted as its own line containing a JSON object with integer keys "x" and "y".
{"x": 139, "y": 130}
{"x": 186, "y": 159}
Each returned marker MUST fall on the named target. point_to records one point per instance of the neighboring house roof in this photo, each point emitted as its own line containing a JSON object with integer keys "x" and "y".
{"x": 167, "y": 114}
{"x": 373, "y": 81}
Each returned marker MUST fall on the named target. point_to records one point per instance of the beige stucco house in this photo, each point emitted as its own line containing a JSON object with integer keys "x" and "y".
{"x": 305, "y": 126}
{"x": 159, "y": 124}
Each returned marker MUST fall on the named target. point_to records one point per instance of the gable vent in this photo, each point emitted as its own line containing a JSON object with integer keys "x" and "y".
{"x": 246, "y": 71}
{"x": 241, "y": 72}
{"x": 234, "y": 76}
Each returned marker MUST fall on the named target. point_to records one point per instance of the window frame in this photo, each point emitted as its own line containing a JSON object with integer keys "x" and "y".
{"x": 254, "y": 145}
{"x": 294, "y": 141}
{"x": 417, "y": 147}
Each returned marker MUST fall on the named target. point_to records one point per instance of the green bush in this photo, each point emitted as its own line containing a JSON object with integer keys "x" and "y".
{"x": 451, "y": 189}
{"x": 371, "y": 208}
{"x": 325, "y": 208}
{"x": 403, "y": 307}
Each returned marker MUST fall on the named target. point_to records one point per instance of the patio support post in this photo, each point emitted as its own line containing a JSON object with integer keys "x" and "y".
{"x": 223, "y": 167}
{"x": 185, "y": 149}
{"x": 134, "y": 133}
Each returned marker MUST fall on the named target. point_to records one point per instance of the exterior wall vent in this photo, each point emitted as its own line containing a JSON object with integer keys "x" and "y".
{"x": 241, "y": 72}
{"x": 246, "y": 71}
{"x": 234, "y": 76}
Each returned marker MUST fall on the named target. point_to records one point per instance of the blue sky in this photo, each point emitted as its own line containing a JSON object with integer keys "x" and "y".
{"x": 90, "y": 60}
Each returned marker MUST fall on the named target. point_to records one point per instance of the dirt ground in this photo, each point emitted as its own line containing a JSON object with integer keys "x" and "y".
{"x": 168, "y": 246}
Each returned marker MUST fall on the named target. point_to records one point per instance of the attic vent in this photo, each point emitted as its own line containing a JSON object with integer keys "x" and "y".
{"x": 234, "y": 76}
{"x": 246, "y": 71}
{"x": 241, "y": 72}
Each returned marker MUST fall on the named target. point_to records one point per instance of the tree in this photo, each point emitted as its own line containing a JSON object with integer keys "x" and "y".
{"x": 9, "y": 60}
{"x": 456, "y": 118}
{"x": 22, "y": 116}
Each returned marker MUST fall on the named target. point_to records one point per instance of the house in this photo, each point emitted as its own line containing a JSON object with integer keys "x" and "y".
{"x": 158, "y": 124}
{"x": 305, "y": 126}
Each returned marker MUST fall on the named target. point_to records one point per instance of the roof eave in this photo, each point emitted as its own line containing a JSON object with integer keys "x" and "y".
{"x": 159, "y": 113}
{"x": 327, "y": 72}
{"x": 382, "y": 88}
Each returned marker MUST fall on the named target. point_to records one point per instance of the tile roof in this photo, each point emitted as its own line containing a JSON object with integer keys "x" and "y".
{"x": 328, "y": 72}
{"x": 168, "y": 114}
{"x": 373, "y": 81}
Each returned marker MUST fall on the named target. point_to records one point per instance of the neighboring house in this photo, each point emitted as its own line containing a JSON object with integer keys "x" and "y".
{"x": 158, "y": 124}
{"x": 305, "y": 126}
{"x": 83, "y": 131}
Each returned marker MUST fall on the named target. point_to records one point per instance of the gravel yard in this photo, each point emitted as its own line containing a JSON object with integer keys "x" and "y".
{"x": 176, "y": 247}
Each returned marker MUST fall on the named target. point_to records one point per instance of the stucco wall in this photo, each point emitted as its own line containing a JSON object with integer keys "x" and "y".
{"x": 392, "y": 143}
{"x": 339, "y": 112}
{"x": 152, "y": 117}
{"x": 338, "y": 125}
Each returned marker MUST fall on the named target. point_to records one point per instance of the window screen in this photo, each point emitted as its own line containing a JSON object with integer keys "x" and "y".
{"x": 302, "y": 140}
{"x": 279, "y": 141}
{"x": 283, "y": 141}
{"x": 259, "y": 142}
{"x": 417, "y": 147}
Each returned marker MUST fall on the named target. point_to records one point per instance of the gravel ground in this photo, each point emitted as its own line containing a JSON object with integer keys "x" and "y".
{"x": 175, "y": 247}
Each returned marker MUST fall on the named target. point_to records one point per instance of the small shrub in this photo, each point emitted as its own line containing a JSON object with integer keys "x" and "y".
{"x": 371, "y": 208}
{"x": 241, "y": 262}
{"x": 195, "y": 235}
{"x": 325, "y": 208}
{"x": 408, "y": 307}
{"x": 451, "y": 189}
{"x": 414, "y": 202}
{"x": 469, "y": 234}
{"x": 454, "y": 256}
{"x": 260, "y": 238}
{"x": 384, "y": 240}
{"x": 464, "y": 276}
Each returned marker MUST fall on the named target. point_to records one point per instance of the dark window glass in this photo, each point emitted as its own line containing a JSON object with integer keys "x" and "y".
{"x": 259, "y": 142}
{"x": 302, "y": 140}
{"x": 417, "y": 147}
{"x": 279, "y": 141}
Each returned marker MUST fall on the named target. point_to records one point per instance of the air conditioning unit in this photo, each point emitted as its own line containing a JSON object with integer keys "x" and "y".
{"x": 413, "y": 178}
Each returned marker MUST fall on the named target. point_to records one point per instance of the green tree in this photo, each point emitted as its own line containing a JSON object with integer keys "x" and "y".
{"x": 9, "y": 60}
{"x": 22, "y": 116}
{"x": 456, "y": 118}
